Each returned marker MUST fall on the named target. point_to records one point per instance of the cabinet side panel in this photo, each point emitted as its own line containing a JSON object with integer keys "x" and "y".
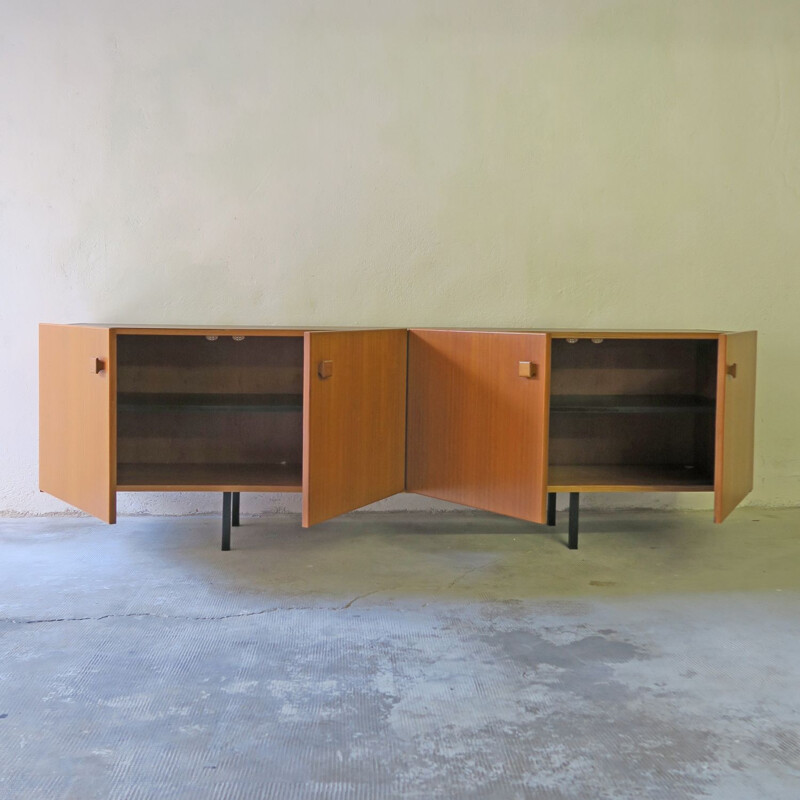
{"x": 76, "y": 417}
{"x": 354, "y": 420}
{"x": 477, "y": 427}
{"x": 736, "y": 398}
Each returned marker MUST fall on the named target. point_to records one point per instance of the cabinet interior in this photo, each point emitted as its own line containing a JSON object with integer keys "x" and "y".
{"x": 212, "y": 413}
{"x": 632, "y": 414}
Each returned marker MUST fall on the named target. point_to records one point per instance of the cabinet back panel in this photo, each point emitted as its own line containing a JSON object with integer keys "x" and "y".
{"x": 183, "y": 437}
{"x": 622, "y": 439}
{"x": 192, "y": 365}
{"x": 257, "y": 365}
{"x": 634, "y": 366}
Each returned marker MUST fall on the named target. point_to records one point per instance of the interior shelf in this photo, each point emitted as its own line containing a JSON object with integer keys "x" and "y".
{"x": 630, "y": 404}
{"x": 628, "y": 478}
{"x": 177, "y": 401}
{"x": 145, "y": 477}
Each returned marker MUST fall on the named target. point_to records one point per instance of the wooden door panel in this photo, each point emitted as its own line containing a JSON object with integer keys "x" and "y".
{"x": 736, "y": 392}
{"x": 478, "y": 421}
{"x": 77, "y": 420}
{"x": 354, "y": 420}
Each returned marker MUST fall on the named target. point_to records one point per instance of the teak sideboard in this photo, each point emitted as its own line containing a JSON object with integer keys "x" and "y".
{"x": 500, "y": 420}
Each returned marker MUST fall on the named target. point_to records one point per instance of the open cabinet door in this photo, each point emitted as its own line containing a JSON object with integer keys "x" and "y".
{"x": 736, "y": 394}
{"x": 354, "y": 420}
{"x": 77, "y": 419}
{"x": 478, "y": 419}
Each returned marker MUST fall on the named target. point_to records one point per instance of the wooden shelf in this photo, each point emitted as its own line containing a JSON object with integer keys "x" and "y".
{"x": 630, "y": 404}
{"x": 627, "y": 478}
{"x": 150, "y": 477}
{"x": 175, "y": 401}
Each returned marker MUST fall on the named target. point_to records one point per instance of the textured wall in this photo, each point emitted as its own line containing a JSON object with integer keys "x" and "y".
{"x": 581, "y": 163}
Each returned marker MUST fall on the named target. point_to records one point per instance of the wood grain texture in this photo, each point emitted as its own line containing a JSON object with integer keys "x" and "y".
{"x": 477, "y": 431}
{"x": 205, "y": 330}
{"x": 194, "y": 330}
{"x": 186, "y": 367}
{"x": 584, "y": 333}
{"x": 624, "y": 439}
{"x": 77, "y": 418}
{"x": 736, "y": 399}
{"x": 627, "y": 478}
{"x": 259, "y": 364}
{"x": 218, "y": 437}
{"x": 207, "y": 477}
{"x": 631, "y": 366}
{"x": 353, "y": 421}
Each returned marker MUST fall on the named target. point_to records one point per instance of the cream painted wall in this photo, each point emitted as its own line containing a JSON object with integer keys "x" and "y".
{"x": 374, "y": 162}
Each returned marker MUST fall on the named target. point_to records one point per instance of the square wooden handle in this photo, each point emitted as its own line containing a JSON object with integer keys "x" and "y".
{"x": 98, "y": 366}
{"x": 527, "y": 369}
{"x": 325, "y": 369}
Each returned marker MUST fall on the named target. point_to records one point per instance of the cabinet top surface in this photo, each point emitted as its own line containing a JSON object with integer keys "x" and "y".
{"x": 558, "y": 333}
{"x": 595, "y": 333}
{"x": 285, "y": 330}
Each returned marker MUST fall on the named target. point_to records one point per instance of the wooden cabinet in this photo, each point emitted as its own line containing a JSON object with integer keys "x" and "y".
{"x": 501, "y": 419}
{"x": 230, "y": 410}
{"x": 493, "y": 419}
{"x": 354, "y": 420}
{"x": 734, "y": 421}
{"x": 77, "y": 417}
{"x": 477, "y": 429}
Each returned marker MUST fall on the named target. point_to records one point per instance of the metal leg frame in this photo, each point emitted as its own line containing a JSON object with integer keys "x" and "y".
{"x": 551, "y": 508}
{"x": 230, "y": 516}
{"x": 226, "y": 519}
{"x": 574, "y": 507}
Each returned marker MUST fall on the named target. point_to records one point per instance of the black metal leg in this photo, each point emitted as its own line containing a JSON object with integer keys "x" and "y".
{"x": 551, "y": 508}
{"x": 574, "y": 506}
{"x": 235, "y": 509}
{"x": 226, "y": 520}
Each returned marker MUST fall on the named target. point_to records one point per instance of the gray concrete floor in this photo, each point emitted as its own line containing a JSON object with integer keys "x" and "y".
{"x": 401, "y": 655}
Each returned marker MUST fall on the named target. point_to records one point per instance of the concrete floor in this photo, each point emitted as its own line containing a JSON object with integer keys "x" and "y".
{"x": 401, "y": 656}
